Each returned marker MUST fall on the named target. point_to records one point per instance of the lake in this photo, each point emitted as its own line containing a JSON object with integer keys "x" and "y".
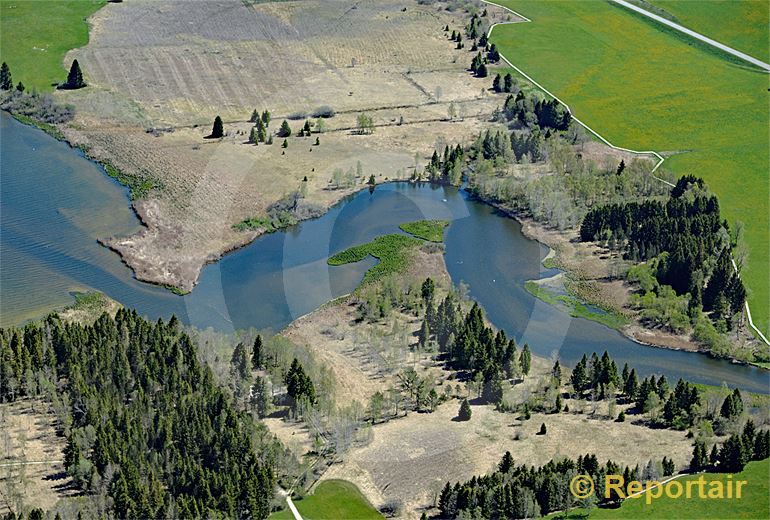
{"x": 54, "y": 204}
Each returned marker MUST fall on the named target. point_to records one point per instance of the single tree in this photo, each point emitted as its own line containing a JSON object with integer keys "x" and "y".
{"x": 6, "y": 80}
{"x": 256, "y": 353}
{"x": 266, "y": 118}
{"x": 525, "y": 359}
{"x": 465, "y": 411}
{"x": 285, "y": 130}
{"x": 543, "y": 430}
{"x": 218, "y": 129}
{"x": 20, "y": 87}
{"x": 285, "y": 143}
{"x": 75, "y": 77}
{"x": 254, "y": 116}
{"x": 621, "y": 167}
{"x": 317, "y": 141}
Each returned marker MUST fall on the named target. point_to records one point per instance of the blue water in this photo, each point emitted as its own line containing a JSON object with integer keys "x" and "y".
{"x": 54, "y": 204}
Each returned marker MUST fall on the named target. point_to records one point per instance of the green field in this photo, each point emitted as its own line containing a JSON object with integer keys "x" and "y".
{"x": 36, "y": 34}
{"x": 754, "y": 503}
{"x": 332, "y": 500}
{"x": 644, "y": 88}
{"x": 741, "y": 24}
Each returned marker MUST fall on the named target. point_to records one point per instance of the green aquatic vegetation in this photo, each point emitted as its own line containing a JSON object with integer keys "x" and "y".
{"x": 430, "y": 230}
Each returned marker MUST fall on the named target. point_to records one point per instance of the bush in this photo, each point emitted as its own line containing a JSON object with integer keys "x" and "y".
{"x": 622, "y": 416}
{"x": 37, "y": 107}
{"x": 324, "y": 111}
{"x": 301, "y": 114}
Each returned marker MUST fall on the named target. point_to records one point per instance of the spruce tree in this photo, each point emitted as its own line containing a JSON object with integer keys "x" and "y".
{"x": 256, "y": 353}
{"x": 20, "y": 87}
{"x": 254, "y": 116}
{"x": 496, "y": 84}
{"x": 218, "y": 129}
{"x": 285, "y": 130}
{"x": 525, "y": 359}
{"x": 465, "y": 411}
{"x": 75, "y": 77}
{"x": 6, "y": 80}
{"x": 266, "y": 118}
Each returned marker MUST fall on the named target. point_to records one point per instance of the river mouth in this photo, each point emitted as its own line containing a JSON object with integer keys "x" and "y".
{"x": 55, "y": 204}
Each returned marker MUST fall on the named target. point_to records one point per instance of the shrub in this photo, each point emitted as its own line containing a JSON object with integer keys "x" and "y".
{"x": 465, "y": 412}
{"x": 324, "y": 111}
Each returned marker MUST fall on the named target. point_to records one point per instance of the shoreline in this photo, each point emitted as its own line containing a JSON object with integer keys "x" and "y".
{"x": 628, "y": 331}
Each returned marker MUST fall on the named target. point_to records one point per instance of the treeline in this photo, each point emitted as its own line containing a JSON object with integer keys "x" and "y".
{"x": 686, "y": 237}
{"x": 738, "y": 450}
{"x": 521, "y": 491}
{"x": 146, "y": 423}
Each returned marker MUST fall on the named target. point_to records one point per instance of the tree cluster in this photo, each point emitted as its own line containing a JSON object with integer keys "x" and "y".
{"x": 514, "y": 491}
{"x": 145, "y": 421}
{"x": 686, "y": 236}
{"x": 470, "y": 345}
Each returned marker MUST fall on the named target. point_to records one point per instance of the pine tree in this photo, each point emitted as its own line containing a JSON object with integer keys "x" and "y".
{"x": 218, "y": 129}
{"x": 525, "y": 359}
{"x": 239, "y": 362}
{"x": 75, "y": 77}
{"x": 465, "y": 411}
{"x": 253, "y": 137}
{"x": 256, "y": 353}
{"x": 496, "y": 86}
{"x": 285, "y": 143}
{"x": 266, "y": 118}
{"x": 423, "y": 336}
{"x": 481, "y": 71}
{"x": 285, "y": 130}
{"x": 508, "y": 83}
{"x": 732, "y": 456}
{"x": 543, "y": 430}
{"x": 6, "y": 80}
{"x": 20, "y": 87}
{"x": 254, "y": 116}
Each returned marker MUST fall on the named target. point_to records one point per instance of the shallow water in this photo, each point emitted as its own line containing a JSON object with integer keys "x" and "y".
{"x": 54, "y": 204}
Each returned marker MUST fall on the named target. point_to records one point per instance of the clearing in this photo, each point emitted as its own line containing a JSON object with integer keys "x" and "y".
{"x": 714, "y": 128}
{"x": 31, "y": 472}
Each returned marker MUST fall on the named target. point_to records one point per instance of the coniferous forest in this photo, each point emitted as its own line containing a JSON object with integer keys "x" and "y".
{"x": 144, "y": 416}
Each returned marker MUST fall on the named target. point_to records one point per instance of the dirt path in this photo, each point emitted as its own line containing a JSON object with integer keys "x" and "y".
{"x": 689, "y": 32}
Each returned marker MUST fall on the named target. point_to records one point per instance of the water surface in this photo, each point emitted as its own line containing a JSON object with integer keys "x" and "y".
{"x": 54, "y": 204}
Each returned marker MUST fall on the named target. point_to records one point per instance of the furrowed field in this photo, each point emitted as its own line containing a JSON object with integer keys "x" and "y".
{"x": 644, "y": 89}
{"x": 34, "y": 55}
{"x": 744, "y": 25}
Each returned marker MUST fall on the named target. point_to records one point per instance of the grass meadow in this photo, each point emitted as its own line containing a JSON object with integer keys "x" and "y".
{"x": 743, "y": 25}
{"x": 35, "y": 36}
{"x": 643, "y": 88}
{"x": 754, "y": 502}
{"x": 332, "y": 500}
